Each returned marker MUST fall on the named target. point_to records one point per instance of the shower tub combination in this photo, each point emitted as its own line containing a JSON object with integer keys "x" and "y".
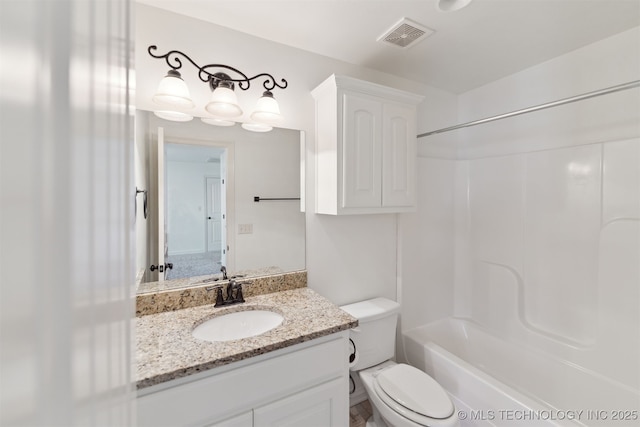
{"x": 496, "y": 382}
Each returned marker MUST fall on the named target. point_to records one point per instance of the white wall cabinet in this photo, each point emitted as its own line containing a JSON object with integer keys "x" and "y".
{"x": 305, "y": 384}
{"x": 365, "y": 147}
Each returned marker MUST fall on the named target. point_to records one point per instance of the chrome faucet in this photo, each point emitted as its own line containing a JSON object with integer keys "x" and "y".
{"x": 224, "y": 272}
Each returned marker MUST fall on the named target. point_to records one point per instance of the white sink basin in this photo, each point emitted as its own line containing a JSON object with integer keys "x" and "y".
{"x": 237, "y": 325}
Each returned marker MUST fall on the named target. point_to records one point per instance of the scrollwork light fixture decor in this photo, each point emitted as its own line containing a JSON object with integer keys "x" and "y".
{"x": 173, "y": 94}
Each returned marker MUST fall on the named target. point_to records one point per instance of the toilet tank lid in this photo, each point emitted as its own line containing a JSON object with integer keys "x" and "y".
{"x": 372, "y": 309}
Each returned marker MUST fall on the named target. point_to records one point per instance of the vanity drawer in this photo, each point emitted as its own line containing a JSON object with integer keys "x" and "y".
{"x": 235, "y": 391}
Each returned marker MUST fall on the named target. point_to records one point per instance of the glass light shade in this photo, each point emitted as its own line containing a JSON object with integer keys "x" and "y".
{"x": 267, "y": 110}
{"x": 452, "y": 5}
{"x": 217, "y": 122}
{"x": 224, "y": 103}
{"x": 173, "y": 91}
{"x": 174, "y": 116}
{"x": 256, "y": 127}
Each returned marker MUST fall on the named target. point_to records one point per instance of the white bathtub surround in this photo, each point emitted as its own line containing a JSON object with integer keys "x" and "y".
{"x": 547, "y": 271}
{"x": 553, "y": 250}
{"x": 543, "y": 263}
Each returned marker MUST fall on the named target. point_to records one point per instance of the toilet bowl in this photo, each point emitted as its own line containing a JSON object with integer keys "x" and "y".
{"x": 404, "y": 396}
{"x": 400, "y": 395}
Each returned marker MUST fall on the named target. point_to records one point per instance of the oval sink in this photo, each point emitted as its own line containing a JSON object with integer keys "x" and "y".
{"x": 237, "y": 325}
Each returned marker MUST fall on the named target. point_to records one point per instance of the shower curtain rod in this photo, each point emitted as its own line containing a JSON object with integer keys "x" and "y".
{"x": 588, "y": 95}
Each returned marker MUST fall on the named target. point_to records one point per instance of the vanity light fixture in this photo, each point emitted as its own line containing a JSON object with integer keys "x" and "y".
{"x": 256, "y": 127}
{"x": 267, "y": 109}
{"x": 217, "y": 122}
{"x": 224, "y": 102}
{"x": 173, "y": 94}
{"x": 175, "y": 116}
{"x": 172, "y": 90}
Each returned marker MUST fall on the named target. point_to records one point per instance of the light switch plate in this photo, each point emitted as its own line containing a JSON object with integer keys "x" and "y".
{"x": 245, "y": 228}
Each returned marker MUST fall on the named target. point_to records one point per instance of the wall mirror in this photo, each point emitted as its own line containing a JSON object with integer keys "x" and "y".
{"x": 216, "y": 196}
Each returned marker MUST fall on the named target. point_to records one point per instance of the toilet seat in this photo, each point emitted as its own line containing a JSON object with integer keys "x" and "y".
{"x": 413, "y": 394}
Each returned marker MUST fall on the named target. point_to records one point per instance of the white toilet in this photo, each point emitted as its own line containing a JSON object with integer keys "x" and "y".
{"x": 400, "y": 395}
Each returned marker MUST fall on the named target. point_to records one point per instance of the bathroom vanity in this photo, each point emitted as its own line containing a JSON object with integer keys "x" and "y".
{"x": 294, "y": 374}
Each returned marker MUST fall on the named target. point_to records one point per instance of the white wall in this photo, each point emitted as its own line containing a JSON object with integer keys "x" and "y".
{"x": 348, "y": 259}
{"x": 546, "y": 212}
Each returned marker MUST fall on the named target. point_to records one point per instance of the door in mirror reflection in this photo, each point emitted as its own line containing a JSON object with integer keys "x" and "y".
{"x": 194, "y": 209}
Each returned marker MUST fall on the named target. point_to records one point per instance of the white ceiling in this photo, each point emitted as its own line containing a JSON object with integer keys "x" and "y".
{"x": 481, "y": 43}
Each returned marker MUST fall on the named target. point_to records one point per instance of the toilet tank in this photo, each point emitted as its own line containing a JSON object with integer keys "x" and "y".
{"x": 375, "y": 337}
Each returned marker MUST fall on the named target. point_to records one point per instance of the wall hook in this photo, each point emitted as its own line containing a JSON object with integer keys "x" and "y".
{"x": 144, "y": 202}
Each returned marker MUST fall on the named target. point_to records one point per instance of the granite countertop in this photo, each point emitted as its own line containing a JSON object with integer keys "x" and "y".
{"x": 166, "y": 350}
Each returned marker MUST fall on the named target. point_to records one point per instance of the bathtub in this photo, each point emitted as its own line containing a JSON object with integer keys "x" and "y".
{"x": 498, "y": 383}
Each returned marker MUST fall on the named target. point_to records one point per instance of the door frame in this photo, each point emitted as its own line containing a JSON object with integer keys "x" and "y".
{"x": 207, "y": 200}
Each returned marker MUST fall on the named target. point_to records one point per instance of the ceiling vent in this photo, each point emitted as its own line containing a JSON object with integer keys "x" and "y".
{"x": 405, "y": 33}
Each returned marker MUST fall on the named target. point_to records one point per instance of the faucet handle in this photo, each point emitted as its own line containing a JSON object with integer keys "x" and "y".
{"x": 219, "y": 298}
{"x": 239, "y": 297}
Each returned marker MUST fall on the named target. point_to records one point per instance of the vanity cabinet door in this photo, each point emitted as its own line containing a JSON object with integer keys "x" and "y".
{"x": 325, "y": 405}
{"x": 243, "y": 420}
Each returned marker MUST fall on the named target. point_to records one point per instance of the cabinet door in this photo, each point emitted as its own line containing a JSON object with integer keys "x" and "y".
{"x": 243, "y": 420}
{"x": 325, "y": 405}
{"x": 399, "y": 148}
{"x": 361, "y": 150}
